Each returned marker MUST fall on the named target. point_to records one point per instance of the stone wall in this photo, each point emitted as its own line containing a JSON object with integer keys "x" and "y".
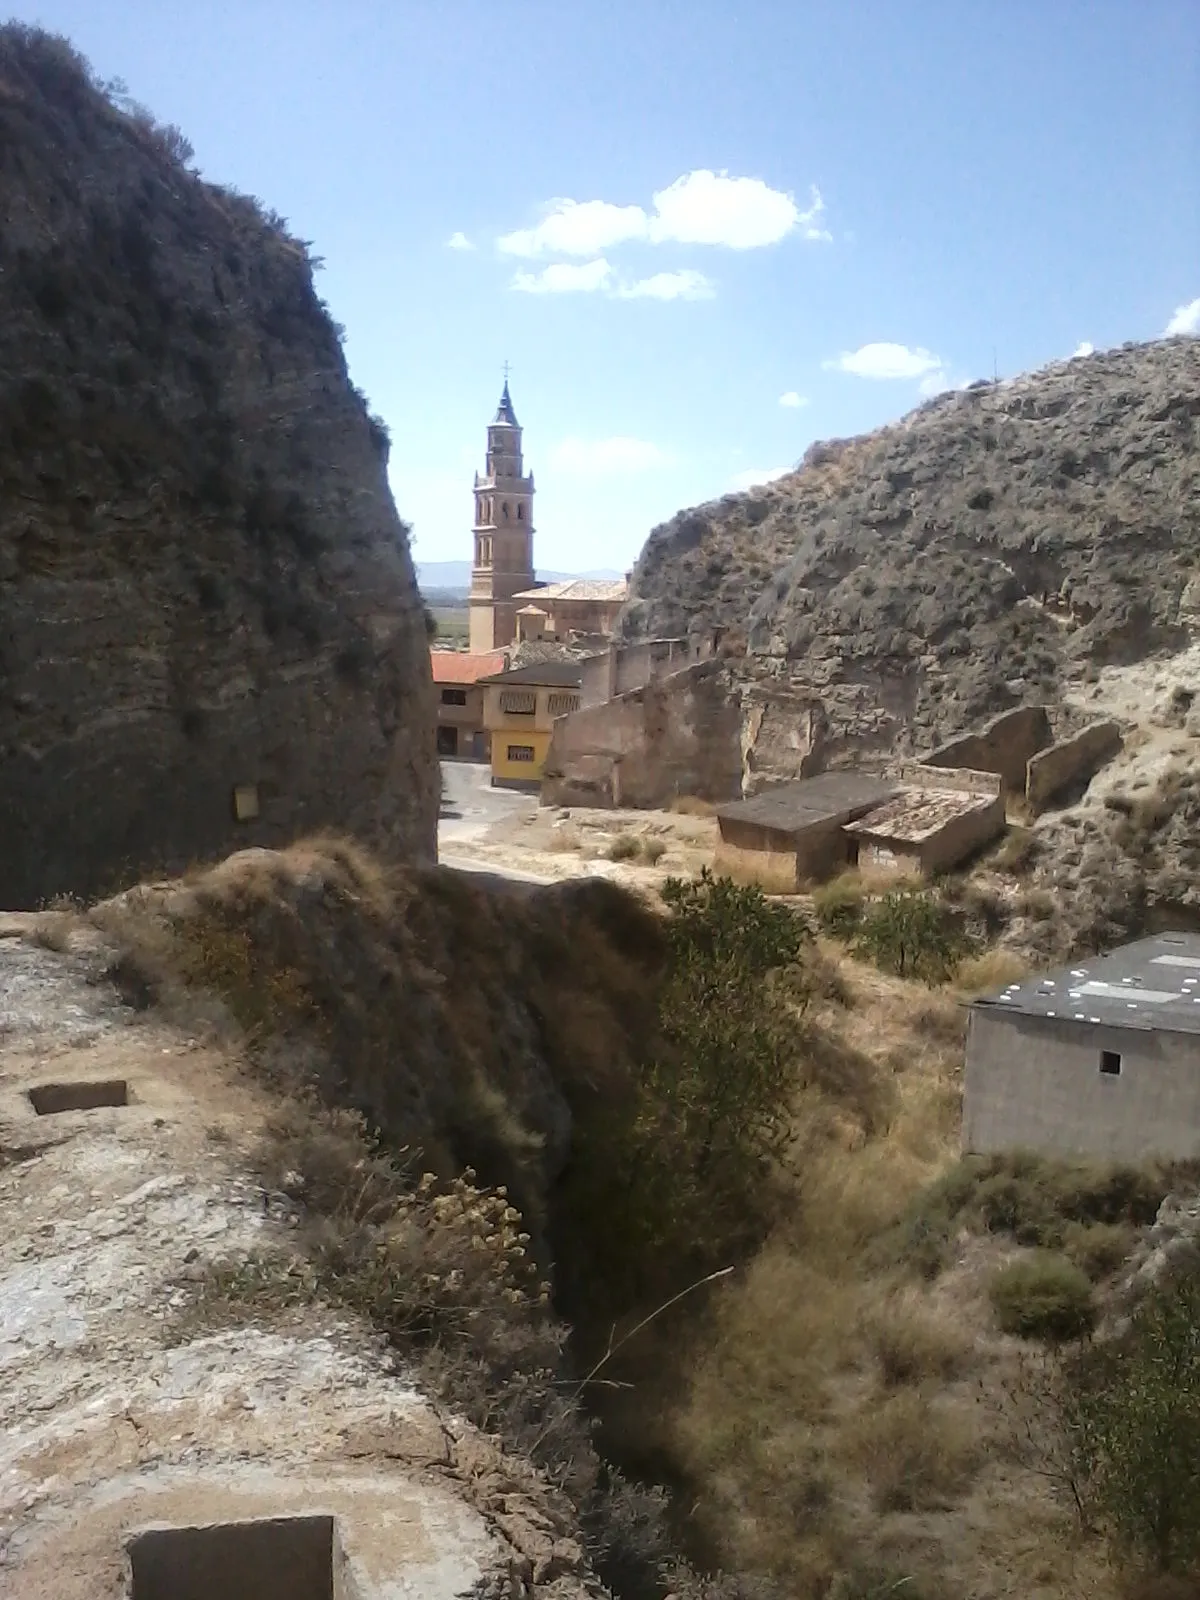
{"x": 961, "y": 780}
{"x": 1003, "y": 745}
{"x": 623, "y": 667}
{"x": 1070, "y": 762}
{"x": 678, "y": 735}
{"x": 783, "y": 737}
{"x": 206, "y": 585}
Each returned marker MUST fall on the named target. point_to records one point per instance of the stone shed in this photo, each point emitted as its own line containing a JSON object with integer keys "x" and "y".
{"x": 941, "y": 817}
{"x": 1100, "y": 1059}
{"x": 795, "y": 832}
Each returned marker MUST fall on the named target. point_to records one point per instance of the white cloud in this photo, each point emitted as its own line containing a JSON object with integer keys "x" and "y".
{"x": 618, "y": 454}
{"x": 686, "y": 284}
{"x": 576, "y": 228}
{"x": 793, "y": 401}
{"x": 810, "y": 220}
{"x": 459, "y": 241}
{"x": 757, "y": 475}
{"x": 564, "y": 277}
{"x": 886, "y": 361}
{"x": 701, "y": 207}
{"x": 1185, "y": 320}
{"x": 741, "y": 213}
{"x": 1086, "y": 349}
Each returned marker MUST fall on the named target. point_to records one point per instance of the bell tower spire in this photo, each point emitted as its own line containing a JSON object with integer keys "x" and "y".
{"x": 503, "y": 532}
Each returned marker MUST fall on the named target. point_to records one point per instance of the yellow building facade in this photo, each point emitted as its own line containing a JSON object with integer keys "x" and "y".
{"x": 520, "y": 708}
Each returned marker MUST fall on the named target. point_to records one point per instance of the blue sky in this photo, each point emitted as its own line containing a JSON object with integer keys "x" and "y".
{"x": 809, "y": 212}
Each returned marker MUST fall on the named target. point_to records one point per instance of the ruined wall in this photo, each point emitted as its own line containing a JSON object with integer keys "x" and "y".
{"x": 962, "y": 837}
{"x": 679, "y": 735}
{"x": 783, "y": 737}
{"x": 1070, "y": 762}
{"x": 624, "y": 667}
{"x": 960, "y": 779}
{"x": 1003, "y": 745}
{"x": 205, "y": 583}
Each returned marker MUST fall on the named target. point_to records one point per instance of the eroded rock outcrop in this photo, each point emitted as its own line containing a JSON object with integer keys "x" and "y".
{"x": 204, "y": 584}
{"x": 971, "y": 557}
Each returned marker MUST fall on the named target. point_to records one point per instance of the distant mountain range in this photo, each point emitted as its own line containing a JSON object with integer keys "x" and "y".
{"x": 447, "y": 576}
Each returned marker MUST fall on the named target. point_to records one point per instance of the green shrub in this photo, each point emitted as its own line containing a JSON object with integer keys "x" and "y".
{"x": 1043, "y": 1297}
{"x": 909, "y": 933}
{"x": 1098, "y": 1248}
{"x": 624, "y": 847}
{"x": 1130, "y": 1408}
{"x": 680, "y": 1168}
{"x": 1035, "y": 1201}
{"x": 839, "y": 905}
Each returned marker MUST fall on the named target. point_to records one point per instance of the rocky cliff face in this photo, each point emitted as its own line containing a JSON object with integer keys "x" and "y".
{"x": 204, "y": 584}
{"x": 990, "y": 546}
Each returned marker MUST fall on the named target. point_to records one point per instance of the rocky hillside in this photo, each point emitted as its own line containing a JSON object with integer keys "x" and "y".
{"x": 992, "y": 545}
{"x": 205, "y": 582}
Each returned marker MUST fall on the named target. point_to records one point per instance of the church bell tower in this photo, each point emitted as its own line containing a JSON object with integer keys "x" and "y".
{"x": 503, "y": 564}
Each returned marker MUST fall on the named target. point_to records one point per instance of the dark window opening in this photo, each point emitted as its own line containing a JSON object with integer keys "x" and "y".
{"x": 447, "y": 741}
{"x": 454, "y": 697}
{"x": 1110, "y": 1063}
{"x": 520, "y": 752}
{"x": 281, "y": 1558}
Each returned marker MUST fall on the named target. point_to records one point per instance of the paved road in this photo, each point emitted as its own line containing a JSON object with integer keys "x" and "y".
{"x": 470, "y": 804}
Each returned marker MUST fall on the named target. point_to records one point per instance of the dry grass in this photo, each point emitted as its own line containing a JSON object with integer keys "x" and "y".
{"x": 564, "y": 837}
{"x": 1016, "y": 852}
{"x": 52, "y": 929}
{"x": 991, "y": 970}
{"x": 912, "y": 1342}
{"x": 690, "y": 805}
{"x": 625, "y": 847}
{"x": 787, "y": 1380}
{"x": 350, "y": 975}
{"x": 914, "y": 1454}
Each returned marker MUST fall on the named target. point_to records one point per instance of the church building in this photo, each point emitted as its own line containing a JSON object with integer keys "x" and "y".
{"x": 503, "y": 566}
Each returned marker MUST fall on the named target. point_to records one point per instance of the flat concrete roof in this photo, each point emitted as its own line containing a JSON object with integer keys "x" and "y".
{"x": 541, "y": 675}
{"x": 791, "y": 807}
{"x": 1151, "y": 984}
{"x": 920, "y": 814}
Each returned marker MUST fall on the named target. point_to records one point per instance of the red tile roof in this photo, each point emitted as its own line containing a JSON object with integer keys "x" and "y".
{"x": 457, "y": 666}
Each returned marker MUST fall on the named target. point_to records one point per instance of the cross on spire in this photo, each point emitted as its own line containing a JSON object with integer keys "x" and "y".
{"x": 506, "y": 374}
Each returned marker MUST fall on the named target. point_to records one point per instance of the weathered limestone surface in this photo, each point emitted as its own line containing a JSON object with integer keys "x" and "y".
{"x": 203, "y": 579}
{"x": 122, "y": 1410}
{"x": 970, "y": 557}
